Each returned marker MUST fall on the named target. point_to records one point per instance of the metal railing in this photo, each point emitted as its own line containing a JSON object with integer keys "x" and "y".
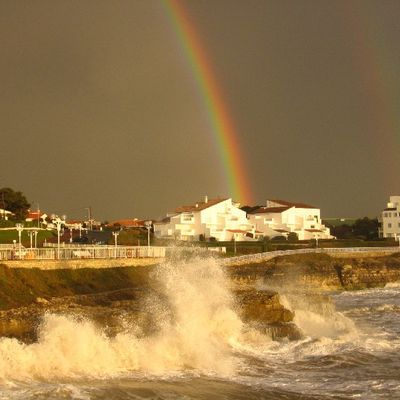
{"x": 80, "y": 252}
{"x": 272, "y": 254}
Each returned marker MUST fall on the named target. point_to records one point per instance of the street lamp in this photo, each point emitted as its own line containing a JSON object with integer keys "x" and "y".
{"x": 35, "y": 232}
{"x": 58, "y": 223}
{"x": 147, "y": 224}
{"x": 115, "y": 234}
{"x": 397, "y": 237}
{"x": 30, "y": 233}
{"x": 19, "y": 228}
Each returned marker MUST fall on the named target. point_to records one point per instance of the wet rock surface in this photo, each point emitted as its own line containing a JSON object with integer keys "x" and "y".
{"x": 116, "y": 298}
{"x": 320, "y": 272}
{"x": 115, "y": 311}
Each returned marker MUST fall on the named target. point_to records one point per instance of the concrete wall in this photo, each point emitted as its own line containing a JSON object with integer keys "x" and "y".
{"x": 88, "y": 263}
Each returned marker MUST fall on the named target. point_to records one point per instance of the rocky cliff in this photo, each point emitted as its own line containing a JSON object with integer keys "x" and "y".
{"x": 320, "y": 272}
{"x": 104, "y": 295}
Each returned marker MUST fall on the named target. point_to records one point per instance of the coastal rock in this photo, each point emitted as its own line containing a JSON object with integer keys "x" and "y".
{"x": 262, "y": 305}
{"x": 319, "y": 272}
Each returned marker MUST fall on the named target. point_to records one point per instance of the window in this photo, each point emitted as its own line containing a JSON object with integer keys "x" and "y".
{"x": 389, "y": 225}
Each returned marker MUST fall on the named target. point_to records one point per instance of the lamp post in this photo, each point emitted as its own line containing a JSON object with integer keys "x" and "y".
{"x": 71, "y": 228}
{"x": 35, "y": 232}
{"x": 31, "y": 233}
{"x": 147, "y": 224}
{"x": 115, "y": 234}
{"x": 397, "y": 237}
{"x": 90, "y": 220}
{"x": 58, "y": 223}
{"x": 19, "y": 228}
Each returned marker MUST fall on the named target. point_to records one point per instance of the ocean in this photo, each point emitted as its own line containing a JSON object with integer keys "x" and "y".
{"x": 197, "y": 347}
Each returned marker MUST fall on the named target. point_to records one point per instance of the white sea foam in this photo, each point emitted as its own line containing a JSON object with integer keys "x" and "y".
{"x": 197, "y": 332}
{"x": 392, "y": 285}
{"x": 317, "y": 320}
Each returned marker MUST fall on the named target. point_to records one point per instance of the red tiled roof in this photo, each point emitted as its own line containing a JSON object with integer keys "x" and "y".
{"x": 34, "y": 214}
{"x": 74, "y": 221}
{"x": 290, "y": 204}
{"x": 199, "y": 206}
{"x": 281, "y": 230}
{"x": 266, "y": 210}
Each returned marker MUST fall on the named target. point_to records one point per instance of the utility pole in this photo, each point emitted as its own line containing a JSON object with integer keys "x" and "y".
{"x": 89, "y": 210}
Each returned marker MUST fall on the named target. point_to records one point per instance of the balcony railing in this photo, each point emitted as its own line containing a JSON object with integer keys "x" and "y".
{"x": 94, "y": 252}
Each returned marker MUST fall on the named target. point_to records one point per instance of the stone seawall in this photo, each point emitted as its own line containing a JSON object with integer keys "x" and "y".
{"x": 82, "y": 263}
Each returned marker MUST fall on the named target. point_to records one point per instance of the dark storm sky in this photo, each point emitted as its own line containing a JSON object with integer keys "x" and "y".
{"x": 98, "y": 105}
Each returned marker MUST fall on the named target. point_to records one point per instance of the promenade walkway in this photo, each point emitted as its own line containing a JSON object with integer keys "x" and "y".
{"x": 80, "y": 252}
{"x": 334, "y": 252}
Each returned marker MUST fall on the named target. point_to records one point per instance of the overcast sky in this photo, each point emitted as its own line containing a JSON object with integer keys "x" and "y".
{"x": 98, "y": 105}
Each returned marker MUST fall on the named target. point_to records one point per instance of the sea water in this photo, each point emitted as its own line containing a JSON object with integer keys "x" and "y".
{"x": 198, "y": 348}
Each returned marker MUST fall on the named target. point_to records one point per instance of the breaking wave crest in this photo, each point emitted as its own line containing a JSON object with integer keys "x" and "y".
{"x": 195, "y": 326}
{"x": 194, "y": 329}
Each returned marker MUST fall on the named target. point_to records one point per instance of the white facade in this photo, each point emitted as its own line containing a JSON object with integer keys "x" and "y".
{"x": 391, "y": 219}
{"x": 5, "y": 214}
{"x": 279, "y": 218}
{"x": 215, "y": 218}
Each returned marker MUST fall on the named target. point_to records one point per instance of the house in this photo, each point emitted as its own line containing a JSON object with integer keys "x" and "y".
{"x": 36, "y": 215}
{"x": 5, "y": 214}
{"x": 221, "y": 219}
{"x": 390, "y": 223}
{"x": 280, "y": 218}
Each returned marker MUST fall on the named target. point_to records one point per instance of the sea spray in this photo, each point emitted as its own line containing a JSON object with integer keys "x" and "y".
{"x": 314, "y": 314}
{"x": 195, "y": 328}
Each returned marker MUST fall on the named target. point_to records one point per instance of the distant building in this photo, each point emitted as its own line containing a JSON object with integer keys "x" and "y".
{"x": 390, "y": 226}
{"x": 280, "y": 218}
{"x": 5, "y": 214}
{"x": 34, "y": 216}
{"x": 221, "y": 219}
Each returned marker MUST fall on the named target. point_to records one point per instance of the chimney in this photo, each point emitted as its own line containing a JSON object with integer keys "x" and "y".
{"x": 206, "y": 199}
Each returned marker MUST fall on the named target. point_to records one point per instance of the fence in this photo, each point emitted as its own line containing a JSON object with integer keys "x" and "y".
{"x": 272, "y": 254}
{"x": 79, "y": 252}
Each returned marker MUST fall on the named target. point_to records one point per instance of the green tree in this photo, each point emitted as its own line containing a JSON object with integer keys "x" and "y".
{"x": 366, "y": 228}
{"x": 343, "y": 231}
{"x": 15, "y": 202}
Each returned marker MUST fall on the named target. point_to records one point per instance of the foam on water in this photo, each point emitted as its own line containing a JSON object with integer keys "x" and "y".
{"x": 392, "y": 285}
{"x": 196, "y": 326}
{"x": 196, "y": 332}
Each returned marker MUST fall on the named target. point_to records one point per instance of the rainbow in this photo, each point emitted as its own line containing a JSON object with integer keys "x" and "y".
{"x": 221, "y": 122}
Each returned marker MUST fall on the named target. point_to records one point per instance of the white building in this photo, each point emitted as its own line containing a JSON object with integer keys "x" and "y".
{"x": 221, "y": 219}
{"x": 391, "y": 219}
{"x": 279, "y": 218}
{"x": 5, "y": 214}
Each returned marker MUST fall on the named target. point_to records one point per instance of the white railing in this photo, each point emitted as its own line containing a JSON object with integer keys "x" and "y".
{"x": 82, "y": 252}
{"x": 272, "y": 254}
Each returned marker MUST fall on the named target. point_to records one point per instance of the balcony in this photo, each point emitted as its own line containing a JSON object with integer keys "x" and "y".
{"x": 187, "y": 218}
